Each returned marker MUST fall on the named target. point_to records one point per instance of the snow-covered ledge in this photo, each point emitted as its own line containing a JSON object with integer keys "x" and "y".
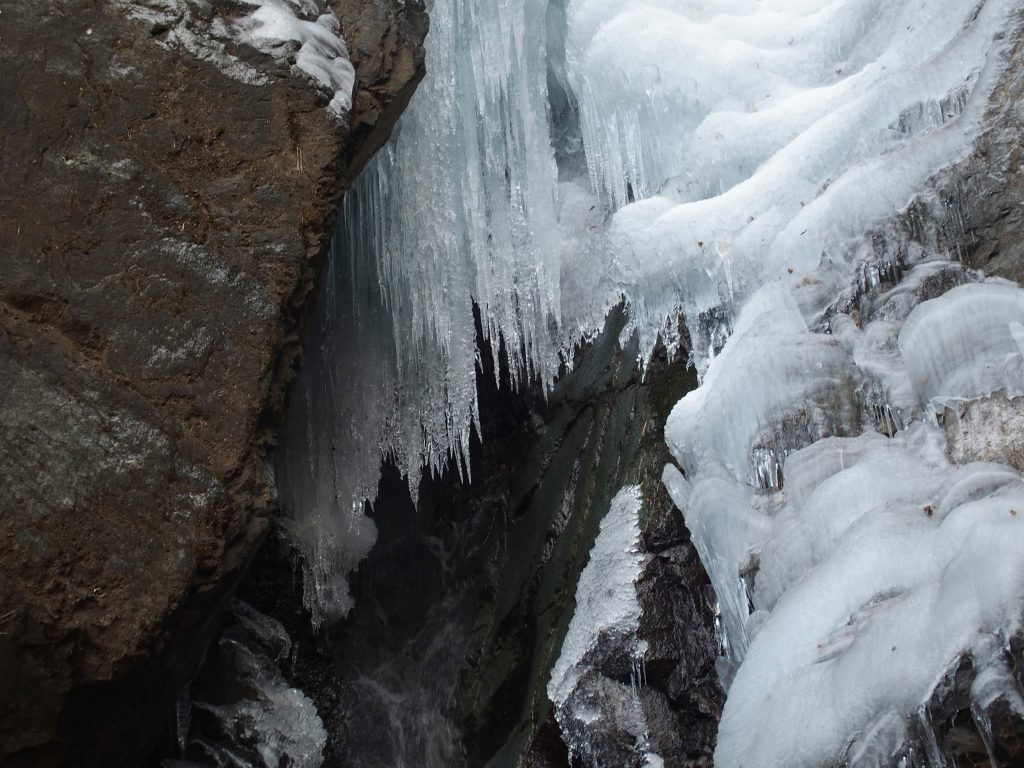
{"x": 303, "y": 33}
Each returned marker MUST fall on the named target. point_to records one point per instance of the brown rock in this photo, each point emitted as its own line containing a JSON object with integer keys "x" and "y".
{"x": 160, "y": 229}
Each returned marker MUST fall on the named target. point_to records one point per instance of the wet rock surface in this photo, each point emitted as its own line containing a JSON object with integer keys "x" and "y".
{"x": 992, "y": 185}
{"x": 249, "y": 705}
{"x": 161, "y": 226}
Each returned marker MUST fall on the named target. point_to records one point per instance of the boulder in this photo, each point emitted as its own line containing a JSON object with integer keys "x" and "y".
{"x": 167, "y": 199}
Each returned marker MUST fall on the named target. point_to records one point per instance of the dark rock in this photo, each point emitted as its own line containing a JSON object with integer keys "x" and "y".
{"x": 974, "y": 717}
{"x": 547, "y": 750}
{"x": 384, "y": 41}
{"x": 160, "y": 229}
{"x": 614, "y": 730}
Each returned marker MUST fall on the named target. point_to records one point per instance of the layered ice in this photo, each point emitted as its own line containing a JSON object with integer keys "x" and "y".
{"x": 862, "y": 603}
{"x": 850, "y": 587}
{"x": 762, "y": 138}
{"x": 759, "y": 157}
{"x": 978, "y": 348}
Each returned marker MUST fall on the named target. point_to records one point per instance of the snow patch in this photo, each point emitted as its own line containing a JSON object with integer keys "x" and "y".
{"x": 606, "y": 599}
{"x": 277, "y": 25}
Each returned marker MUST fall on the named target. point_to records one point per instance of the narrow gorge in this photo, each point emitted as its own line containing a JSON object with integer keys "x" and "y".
{"x": 519, "y": 384}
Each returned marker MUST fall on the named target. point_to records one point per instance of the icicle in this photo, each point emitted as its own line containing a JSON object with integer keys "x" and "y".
{"x": 183, "y": 719}
{"x": 936, "y": 758}
{"x": 391, "y": 361}
{"x": 984, "y": 727}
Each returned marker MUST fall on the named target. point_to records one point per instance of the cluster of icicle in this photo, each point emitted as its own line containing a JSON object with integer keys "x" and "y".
{"x": 459, "y": 207}
{"x": 748, "y": 164}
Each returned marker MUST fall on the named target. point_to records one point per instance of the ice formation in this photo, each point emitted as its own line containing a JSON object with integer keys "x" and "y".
{"x": 747, "y": 163}
{"x": 848, "y": 591}
{"x": 751, "y": 150}
{"x": 259, "y": 720}
{"x": 750, "y": 131}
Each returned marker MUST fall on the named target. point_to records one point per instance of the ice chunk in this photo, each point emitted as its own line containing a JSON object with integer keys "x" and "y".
{"x": 965, "y": 343}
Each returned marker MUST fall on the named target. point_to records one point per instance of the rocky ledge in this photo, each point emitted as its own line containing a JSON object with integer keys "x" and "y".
{"x": 169, "y": 187}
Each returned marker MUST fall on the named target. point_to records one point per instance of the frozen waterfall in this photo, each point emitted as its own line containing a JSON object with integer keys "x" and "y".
{"x": 458, "y": 207}
{"x": 750, "y": 166}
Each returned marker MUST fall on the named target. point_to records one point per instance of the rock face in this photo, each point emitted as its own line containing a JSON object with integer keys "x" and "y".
{"x": 986, "y": 429}
{"x": 991, "y": 182}
{"x": 161, "y": 224}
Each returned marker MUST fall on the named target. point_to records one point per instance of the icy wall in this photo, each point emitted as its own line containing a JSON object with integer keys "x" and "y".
{"x": 750, "y": 166}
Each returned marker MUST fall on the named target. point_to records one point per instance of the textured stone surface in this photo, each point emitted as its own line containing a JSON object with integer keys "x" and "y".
{"x": 160, "y": 229}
